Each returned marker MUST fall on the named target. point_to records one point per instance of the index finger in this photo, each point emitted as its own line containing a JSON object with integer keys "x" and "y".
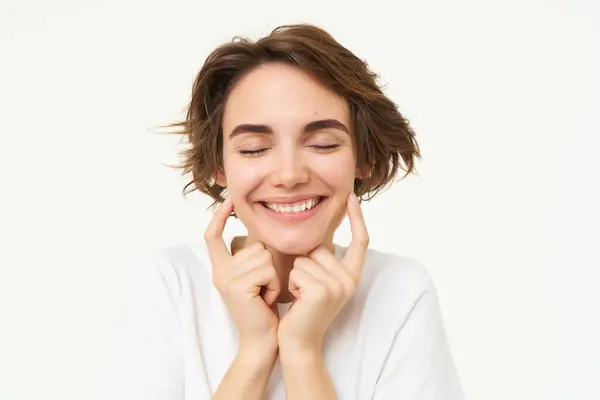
{"x": 357, "y": 249}
{"x": 213, "y": 235}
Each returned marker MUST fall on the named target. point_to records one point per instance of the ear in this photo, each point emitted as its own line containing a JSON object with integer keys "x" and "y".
{"x": 219, "y": 179}
{"x": 363, "y": 172}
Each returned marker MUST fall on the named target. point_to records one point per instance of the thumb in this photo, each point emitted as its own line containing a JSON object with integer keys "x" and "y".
{"x": 271, "y": 292}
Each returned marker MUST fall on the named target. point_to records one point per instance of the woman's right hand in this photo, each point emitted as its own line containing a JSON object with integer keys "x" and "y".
{"x": 239, "y": 279}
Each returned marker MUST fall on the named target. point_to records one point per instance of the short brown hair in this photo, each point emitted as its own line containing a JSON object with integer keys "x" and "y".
{"x": 383, "y": 140}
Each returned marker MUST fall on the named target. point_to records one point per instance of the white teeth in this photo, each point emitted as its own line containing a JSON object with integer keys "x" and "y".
{"x": 295, "y": 208}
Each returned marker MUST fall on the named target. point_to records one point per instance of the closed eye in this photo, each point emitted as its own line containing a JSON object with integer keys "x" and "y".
{"x": 260, "y": 151}
{"x": 253, "y": 152}
{"x": 327, "y": 147}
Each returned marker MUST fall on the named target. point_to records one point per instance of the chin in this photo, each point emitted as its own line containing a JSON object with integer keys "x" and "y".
{"x": 292, "y": 245}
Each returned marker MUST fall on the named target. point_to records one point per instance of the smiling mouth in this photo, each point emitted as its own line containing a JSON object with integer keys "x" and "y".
{"x": 297, "y": 207}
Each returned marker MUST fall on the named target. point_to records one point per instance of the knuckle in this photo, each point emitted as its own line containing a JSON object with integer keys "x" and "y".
{"x": 271, "y": 269}
{"x": 299, "y": 262}
{"x": 265, "y": 271}
{"x": 322, "y": 292}
{"x": 338, "y": 289}
{"x": 252, "y": 250}
{"x": 349, "y": 287}
{"x": 266, "y": 257}
{"x": 293, "y": 274}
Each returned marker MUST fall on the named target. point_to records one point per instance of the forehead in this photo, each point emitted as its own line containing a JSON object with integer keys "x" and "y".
{"x": 282, "y": 96}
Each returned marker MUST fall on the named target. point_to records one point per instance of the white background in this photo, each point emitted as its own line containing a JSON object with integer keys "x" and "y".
{"x": 504, "y": 212}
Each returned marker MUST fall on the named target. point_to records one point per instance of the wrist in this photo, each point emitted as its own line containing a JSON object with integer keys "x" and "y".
{"x": 299, "y": 352}
{"x": 257, "y": 350}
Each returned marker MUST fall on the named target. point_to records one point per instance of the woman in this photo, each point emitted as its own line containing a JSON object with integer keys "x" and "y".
{"x": 290, "y": 132}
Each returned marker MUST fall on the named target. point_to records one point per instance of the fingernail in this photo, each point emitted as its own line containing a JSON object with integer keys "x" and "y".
{"x": 353, "y": 198}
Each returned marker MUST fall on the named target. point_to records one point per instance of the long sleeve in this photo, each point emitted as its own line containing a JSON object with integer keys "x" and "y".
{"x": 419, "y": 365}
{"x": 147, "y": 362}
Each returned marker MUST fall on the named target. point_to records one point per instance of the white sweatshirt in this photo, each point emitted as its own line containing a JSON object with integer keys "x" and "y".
{"x": 178, "y": 340}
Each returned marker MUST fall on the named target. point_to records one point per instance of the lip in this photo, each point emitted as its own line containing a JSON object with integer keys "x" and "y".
{"x": 290, "y": 199}
{"x": 292, "y": 216}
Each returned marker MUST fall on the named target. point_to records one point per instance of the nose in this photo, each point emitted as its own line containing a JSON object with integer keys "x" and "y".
{"x": 289, "y": 170}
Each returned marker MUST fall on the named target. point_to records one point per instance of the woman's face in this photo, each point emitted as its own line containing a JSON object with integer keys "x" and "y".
{"x": 288, "y": 158}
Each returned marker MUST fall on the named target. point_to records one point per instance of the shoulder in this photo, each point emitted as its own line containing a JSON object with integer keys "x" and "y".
{"x": 392, "y": 279}
{"x": 392, "y": 288}
{"x": 170, "y": 267}
{"x": 391, "y": 269}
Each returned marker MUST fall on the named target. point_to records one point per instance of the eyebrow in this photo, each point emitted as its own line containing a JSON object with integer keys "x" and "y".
{"x": 308, "y": 128}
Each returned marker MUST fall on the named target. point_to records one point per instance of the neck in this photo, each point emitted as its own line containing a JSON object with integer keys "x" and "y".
{"x": 284, "y": 263}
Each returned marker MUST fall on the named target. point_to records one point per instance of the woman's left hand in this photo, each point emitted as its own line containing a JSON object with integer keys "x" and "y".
{"x": 322, "y": 285}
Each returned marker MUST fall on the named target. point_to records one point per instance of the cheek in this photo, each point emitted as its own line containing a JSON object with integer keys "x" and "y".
{"x": 338, "y": 171}
{"x": 241, "y": 179}
{"x": 339, "y": 174}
